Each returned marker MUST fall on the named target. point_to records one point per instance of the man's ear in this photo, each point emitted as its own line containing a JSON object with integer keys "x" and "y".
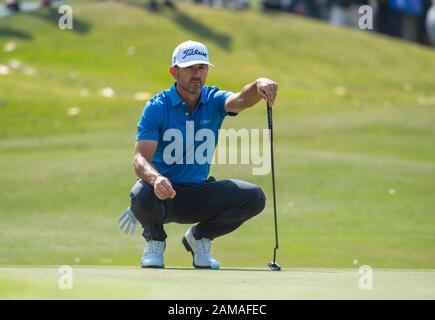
{"x": 173, "y": 71}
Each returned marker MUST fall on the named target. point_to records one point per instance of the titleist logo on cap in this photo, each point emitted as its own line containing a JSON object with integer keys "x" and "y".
{"x": 192, "y": 52}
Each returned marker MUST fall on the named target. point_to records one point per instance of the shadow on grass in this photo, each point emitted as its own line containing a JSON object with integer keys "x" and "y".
{"x": 200, "y": 29}
{"x": 15, "y": 33}
{"x": 245, "y": 270}
{"x": 224, "y": 269}
{"x": 187, "y": 22}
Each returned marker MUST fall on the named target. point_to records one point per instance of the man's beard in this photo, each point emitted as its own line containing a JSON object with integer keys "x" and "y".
{"x": 194, "y": 87}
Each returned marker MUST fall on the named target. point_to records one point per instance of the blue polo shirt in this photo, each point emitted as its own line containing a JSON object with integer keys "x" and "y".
{"x": 182, "y": 144}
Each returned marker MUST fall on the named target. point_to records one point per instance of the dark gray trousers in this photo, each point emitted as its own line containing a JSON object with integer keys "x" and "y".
{"x": 218, "y": 207}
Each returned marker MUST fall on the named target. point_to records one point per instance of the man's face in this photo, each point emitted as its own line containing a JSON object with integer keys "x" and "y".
{"x": 191, "y": 79}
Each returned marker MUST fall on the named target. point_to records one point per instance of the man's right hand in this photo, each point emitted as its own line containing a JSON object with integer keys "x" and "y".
{"x": 144, "y": 151}
{"x": 163, "y": 188}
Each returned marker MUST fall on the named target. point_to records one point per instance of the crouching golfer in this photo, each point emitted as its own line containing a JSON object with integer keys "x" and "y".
{"x": 173, "y": 165}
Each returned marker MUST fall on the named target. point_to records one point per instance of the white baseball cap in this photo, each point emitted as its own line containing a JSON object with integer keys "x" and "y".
{"x": 189, "y": 53}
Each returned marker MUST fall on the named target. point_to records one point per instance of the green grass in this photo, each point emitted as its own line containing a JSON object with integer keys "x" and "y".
{"x": 98, "y": 282}
{"x": 350, "y": 126}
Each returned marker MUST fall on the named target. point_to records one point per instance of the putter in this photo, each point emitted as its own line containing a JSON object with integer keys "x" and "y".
{"x": 272, "y": 264}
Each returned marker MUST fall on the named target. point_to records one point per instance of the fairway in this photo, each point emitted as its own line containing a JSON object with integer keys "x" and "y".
{"x": 354, "y": 142}
{"x": 98, "y": 282}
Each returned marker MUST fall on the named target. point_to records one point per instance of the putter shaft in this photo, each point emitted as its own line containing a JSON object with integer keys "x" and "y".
{"x": 269, "y": 117}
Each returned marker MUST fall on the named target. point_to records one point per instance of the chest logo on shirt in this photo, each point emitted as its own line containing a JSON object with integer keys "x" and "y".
{"x": 204, "y": 122}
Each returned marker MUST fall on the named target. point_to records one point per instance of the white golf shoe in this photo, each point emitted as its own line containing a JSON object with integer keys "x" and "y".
{"x": 153, "y": 254}
{"x": 201, "y": 251}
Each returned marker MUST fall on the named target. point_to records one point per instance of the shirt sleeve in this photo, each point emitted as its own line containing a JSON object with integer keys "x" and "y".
{"x": 220, "y": 99}
{"x": 149, "y": 124}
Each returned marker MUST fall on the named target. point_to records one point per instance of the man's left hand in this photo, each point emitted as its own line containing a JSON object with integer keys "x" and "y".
{"x": 267, "y": 89}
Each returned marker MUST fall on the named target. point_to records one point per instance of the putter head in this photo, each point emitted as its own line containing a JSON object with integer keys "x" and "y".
{"x": 274, "y": 266}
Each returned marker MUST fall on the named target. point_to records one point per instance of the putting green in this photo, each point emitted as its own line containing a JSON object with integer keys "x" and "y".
{"x": 100, "y": 282}
{"x": 354, "y": 142}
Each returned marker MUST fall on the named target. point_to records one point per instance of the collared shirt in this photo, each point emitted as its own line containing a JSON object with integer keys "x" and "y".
{"x": 186, "y": 141}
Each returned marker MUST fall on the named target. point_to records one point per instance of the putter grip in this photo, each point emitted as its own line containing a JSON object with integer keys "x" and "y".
{"x": 269, "y": 116}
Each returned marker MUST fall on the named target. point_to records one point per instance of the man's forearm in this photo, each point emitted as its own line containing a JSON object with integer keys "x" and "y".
{"x": 145, "y": 170}
{"x": 249, "y": 95}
